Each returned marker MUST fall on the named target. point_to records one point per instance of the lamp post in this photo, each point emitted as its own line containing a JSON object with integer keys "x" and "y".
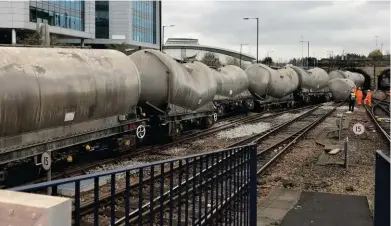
{"x": 268, "y": 55}
{"x": 254, "y": 18}
{"x": 240, "y": 57}
{"x": 376, "y": 41}
{"x": 308, "y": 52}
{"x": 164, "y": 26}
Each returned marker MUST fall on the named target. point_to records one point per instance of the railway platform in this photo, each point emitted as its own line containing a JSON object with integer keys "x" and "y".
{"x": 288, "y": 207}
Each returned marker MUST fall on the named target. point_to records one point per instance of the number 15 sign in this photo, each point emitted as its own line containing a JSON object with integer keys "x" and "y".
{"x": 358, "y": 129}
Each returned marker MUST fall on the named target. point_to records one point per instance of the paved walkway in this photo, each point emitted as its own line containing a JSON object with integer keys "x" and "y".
{"x": 287, "y": 207}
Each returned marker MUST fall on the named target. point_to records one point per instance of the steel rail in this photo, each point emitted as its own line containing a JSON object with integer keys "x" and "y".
{"x": 255, "y": 138}
{"x": 80, "y": 170}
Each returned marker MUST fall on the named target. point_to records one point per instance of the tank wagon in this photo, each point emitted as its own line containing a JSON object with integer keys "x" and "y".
{"x": 340, "y": 88}
{"x": 287, "y": 86}
{"x": 66, "y": 99}
{"x": 232, "y": 90}
{"x": 342, "y": 82}
{"x": 357, "y": 78}
{"x": 175, "y": 96}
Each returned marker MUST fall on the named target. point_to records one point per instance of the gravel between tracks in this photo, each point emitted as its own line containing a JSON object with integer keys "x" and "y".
{"x": 298, "y": 168}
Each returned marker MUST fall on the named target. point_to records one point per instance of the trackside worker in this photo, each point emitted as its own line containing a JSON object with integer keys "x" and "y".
{"x": 368, "y": 99}
{"x": 359, "y": 96}
{"x": 352, "y": 100}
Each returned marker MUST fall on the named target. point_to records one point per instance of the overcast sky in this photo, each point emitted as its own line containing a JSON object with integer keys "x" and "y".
{"x": 329, "y": 26}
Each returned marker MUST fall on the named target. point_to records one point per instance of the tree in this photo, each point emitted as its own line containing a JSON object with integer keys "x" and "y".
{"x": 211, "y": 60}
{"x": 33, "y": 38}
{"x": 267, "y": 60}
{"x": 375, "y": 54}
{"x": 235, "y": 61}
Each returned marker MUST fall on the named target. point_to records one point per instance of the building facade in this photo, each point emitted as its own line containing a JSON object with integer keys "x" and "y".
{"x": 136, "y": 23}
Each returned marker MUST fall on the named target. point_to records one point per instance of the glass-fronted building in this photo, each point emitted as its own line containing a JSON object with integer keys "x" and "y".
{"x": 144, "y": 21}
{"x": 136, "y": 23}
{"x": 64, "y": 14}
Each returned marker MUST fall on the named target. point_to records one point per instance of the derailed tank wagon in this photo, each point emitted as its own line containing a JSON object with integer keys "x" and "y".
{"x": 66, "y": 99}
{"x": 342, "y": 82}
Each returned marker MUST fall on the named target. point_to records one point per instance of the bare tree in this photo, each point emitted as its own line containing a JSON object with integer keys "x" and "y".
{"x": 211, "y": 60}
{"x": 33, "y": 38}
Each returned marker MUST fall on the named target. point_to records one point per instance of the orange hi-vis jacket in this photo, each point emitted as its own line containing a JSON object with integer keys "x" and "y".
{"x": 359, "y": 96}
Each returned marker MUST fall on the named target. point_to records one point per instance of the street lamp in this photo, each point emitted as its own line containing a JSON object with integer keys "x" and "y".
{"x": 270, "y": 51}
{"x": 164, "y": 26}
{"x": 308, "y": 52}
{"x": 254, "y": 18}
{"x": 240, "y": 57}
{"x": 376, "y": 40}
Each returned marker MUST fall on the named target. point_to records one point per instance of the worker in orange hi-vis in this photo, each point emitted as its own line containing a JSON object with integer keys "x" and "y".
{"x": 368, "y": 99}
{"x": 359, "y": 96}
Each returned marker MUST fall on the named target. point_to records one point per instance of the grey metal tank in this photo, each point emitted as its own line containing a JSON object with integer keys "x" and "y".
{"x": 231, "y": 80}
{"x": 357, "y": 78}
{"x": 50, "y": 87}
{"x": 340, "y": 88}
{"x": 320, "y": 79}
{"x": 311, "y": 80}
{"x": 276, "y": 83}
{"x": 163, "y": 81}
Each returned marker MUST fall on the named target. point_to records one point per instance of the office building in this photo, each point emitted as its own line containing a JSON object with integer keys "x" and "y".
{"x": 136, "y": 23}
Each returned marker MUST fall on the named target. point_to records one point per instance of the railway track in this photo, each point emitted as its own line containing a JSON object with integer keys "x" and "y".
{"x": 294, "y": 129}
{"x": 381, "y": 120}
{"x": 82, "y": 169}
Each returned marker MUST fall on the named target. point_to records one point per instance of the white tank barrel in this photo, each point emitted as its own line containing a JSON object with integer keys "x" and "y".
{"x": 50, "y": 87}
{"x": 231, "y": 80}
{"x": 276, "y": 83}
{"x": 357, "y": 78}
{"x": 259, "y": 77}
{"x": 163, "y": 80}
{"x": 340, "y": 88}
{"x": 320, "y": 79}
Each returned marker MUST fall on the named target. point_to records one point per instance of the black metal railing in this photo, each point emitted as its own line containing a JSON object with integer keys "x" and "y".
{"x": 382, "y": 190}
{"x": 204, "y": 189}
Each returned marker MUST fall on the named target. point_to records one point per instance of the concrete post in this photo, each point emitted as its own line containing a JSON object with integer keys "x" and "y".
{"x": 82, "y": 43}
{"x": 13, "y": 37}
{"x": 19, "y": 208}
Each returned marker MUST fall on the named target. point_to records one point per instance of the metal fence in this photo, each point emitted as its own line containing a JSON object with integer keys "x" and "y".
{"x": 216, "y": 188}
{"x": 382, "y": 190}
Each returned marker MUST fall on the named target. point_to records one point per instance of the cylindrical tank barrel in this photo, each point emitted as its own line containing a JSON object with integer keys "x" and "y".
{"x": 276, "y": 83}
{"x": 49, "y": 87}
{"x": 320, "y": 79}
{"x": 340, "y": 88}
{"x": 163, "y": 80}
{"x": 259, "y": 77}
{"x": 231, "y": 80}
{"x": 284, "y": 82}
{"x": 357, "y": 78}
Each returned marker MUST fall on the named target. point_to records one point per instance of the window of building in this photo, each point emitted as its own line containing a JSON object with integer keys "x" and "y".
{"x": 65, "y": 14}
{"x": 144, "y": 21}
{"x": 102, "y": 19}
